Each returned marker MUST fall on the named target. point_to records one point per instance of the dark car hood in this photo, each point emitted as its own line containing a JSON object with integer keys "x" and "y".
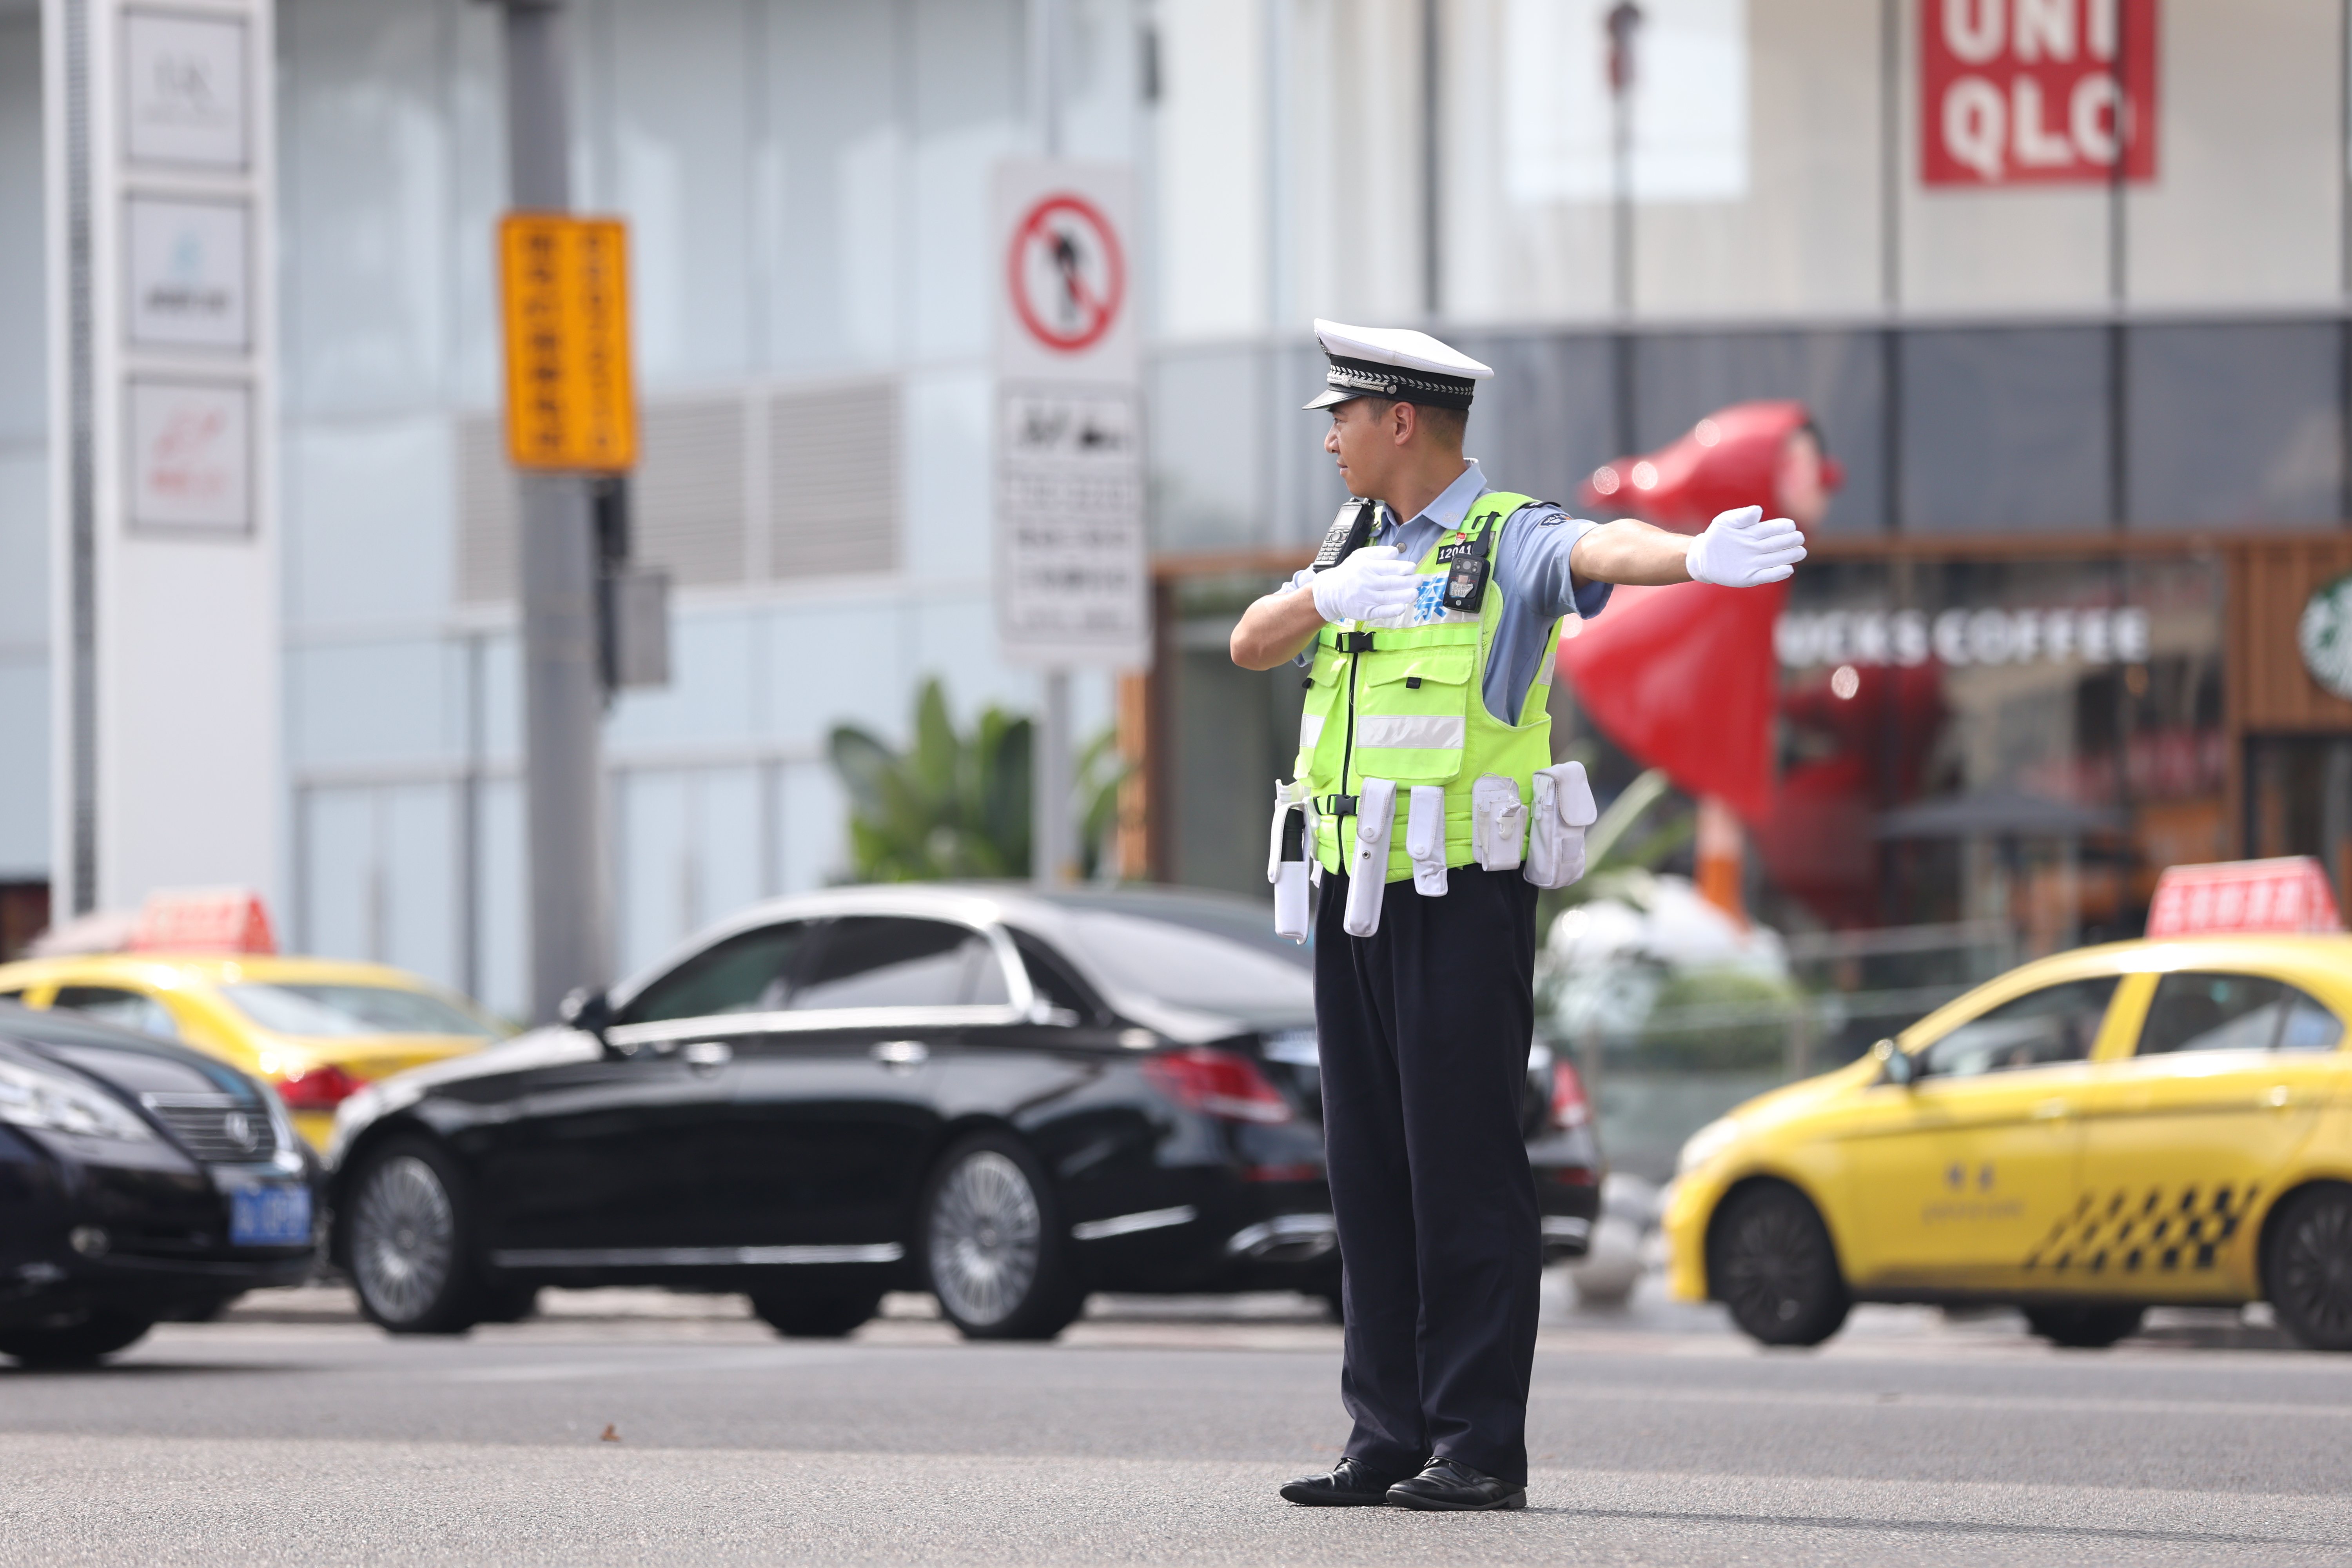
{"x": 129, "y": 1063}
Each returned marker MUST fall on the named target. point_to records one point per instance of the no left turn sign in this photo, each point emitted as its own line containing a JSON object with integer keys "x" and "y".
{"x": 1066, "y": 275}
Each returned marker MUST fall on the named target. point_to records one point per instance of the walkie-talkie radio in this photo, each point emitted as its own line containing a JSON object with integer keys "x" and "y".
{"x": 1349, "y": 532}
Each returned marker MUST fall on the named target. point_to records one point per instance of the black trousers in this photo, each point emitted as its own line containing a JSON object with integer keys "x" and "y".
{"x": 1424, "y": 1027}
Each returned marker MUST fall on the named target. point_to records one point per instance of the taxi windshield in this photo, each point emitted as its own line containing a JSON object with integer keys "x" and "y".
{"x": 341, "y": 1010}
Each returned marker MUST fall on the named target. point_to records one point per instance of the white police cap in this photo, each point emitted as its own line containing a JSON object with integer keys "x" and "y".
{"x": 1394, "y": 362}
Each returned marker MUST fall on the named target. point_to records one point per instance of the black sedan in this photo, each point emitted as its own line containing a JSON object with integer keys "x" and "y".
{"x": 139, "y": 1181}
{"x": 1004, "y": 1097}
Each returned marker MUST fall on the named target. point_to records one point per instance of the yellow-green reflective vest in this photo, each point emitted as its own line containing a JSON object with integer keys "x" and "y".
{"x": 1404, "y": 703}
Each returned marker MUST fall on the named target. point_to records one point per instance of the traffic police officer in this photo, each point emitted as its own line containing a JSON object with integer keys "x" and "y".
{"x": 1426, "y": 803}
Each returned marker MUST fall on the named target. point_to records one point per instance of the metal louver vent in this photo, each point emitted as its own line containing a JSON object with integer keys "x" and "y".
{"x": 820, "y": 491}
{"x": 833, "y": 479}
{"x": 686, "y": 503}
{"x": 488, "y": 524}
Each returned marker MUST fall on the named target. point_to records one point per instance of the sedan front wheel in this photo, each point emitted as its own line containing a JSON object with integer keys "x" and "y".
{"x": 408, "y": 1243}
{"x": 83, "y": 1342}
{"x": 994, "y": 1244}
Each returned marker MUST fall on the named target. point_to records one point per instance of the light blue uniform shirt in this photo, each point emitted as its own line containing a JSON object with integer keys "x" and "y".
{"x": 1530, "y": 568}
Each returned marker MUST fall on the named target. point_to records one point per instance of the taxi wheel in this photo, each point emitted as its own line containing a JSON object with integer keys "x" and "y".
{"x": 994, "y": 1244}
{"x": 409, "y": 1247}
{"x": 1771, "y": 1262}
{"x": 2307, "y": 1267}
{"x": 2085, "y": 1326}
{"x": 84, "y": 1343}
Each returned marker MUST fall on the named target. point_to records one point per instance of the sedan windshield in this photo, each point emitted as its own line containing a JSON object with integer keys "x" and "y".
{"x": 335, "y": 1010}
{"x": 1185, "y": 967}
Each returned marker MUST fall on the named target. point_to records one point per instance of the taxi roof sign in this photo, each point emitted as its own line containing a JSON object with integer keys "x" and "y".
{"x": 2289, "y": 894}
{"x": 203, "y": 920}
{"x": 563, "y": 292}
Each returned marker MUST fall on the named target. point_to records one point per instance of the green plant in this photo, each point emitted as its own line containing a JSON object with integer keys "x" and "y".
{"x": 949, "y": 805}
{"x": 956, "y": 805}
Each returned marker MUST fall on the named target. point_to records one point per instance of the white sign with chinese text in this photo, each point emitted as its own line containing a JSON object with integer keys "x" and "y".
{"x": 1074, "y": 584}
{"x": 1073, "y": 573}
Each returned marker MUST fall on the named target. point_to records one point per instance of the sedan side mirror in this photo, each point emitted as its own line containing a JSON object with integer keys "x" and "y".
{"x": 591, "y": 1012}
{"x": 1896, "y": 1066}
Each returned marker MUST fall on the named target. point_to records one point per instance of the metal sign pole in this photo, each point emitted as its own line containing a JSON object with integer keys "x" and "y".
{"x": 1052, "y": 858}
{"x": 562, "y": 701}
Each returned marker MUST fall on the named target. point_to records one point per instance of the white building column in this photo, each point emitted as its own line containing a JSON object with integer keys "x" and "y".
{"x": 160, "y": 150}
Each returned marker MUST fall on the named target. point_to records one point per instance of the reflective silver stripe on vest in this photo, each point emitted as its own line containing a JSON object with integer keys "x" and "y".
{"x": 1311, "y": 729}
{"x": 1411, "y": 731}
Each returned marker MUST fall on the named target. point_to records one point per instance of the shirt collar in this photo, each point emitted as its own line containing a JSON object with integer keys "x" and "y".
{"x": 1452, "y": 503}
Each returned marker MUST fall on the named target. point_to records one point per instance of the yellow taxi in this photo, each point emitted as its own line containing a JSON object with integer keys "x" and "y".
{"x": 319, "y": 1029}
{"x": 2147, "y": 1122}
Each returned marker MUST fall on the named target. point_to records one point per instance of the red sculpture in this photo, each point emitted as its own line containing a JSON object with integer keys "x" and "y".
{"x": 1685, "y": 677}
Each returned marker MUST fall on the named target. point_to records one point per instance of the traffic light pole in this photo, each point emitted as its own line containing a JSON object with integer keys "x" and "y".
{"x": 562, "y": 696}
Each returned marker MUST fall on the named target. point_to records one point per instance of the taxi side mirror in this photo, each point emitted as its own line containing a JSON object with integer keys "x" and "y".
{"x": 1895, "y": 1065}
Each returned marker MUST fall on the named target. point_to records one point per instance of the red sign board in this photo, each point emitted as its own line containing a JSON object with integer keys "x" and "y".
{"x": 2015, "y": 92}
{"x": 2289, "y": 894}
{"x": 204, "y": 919}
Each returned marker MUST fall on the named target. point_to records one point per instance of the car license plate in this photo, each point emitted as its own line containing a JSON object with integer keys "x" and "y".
{"x": 270, "y": 1217}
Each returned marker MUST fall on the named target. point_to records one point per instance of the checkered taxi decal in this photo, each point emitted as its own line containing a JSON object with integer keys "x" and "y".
{"x": 2158, "y": 1234}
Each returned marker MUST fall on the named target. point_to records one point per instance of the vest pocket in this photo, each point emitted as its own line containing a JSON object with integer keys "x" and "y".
{"x": 1413, "y": 719}
{"x": 1417, "y": 670}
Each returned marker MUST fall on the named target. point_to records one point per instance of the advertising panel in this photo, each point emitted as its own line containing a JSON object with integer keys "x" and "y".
{"x": 2017, "y": 92}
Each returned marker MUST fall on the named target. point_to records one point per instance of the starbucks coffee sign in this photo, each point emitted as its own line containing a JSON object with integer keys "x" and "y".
{"x": 2324, "y": 636}
{"x": 1962, "y": 636}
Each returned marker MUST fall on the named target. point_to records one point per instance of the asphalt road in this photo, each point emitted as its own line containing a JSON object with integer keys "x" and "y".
{"x": 1153, "y": 1433}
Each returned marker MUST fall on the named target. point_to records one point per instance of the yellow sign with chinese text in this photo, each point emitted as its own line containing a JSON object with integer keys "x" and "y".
{"x": 564, "y": 285}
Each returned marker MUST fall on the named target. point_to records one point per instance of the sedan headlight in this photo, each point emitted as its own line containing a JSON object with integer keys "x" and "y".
{"x": 55, "y": 1104}
{"x": 1705, "y": 1143}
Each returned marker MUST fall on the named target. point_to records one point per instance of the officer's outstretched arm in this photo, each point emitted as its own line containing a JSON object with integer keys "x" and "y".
{"x": 1740, "y": 549}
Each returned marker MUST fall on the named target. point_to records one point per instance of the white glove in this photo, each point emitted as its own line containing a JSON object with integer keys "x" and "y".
{"x": 1743, "y": 549}
{"x": 1373, "y": 583}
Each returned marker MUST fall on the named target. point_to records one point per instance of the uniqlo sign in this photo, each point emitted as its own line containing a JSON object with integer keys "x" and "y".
{"x": 2017, "y": 92}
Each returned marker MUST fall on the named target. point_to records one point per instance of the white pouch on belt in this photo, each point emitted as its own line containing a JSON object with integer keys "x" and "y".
{"x": 1498, "y": 822}
{"x": 1564, "y": 810}
{"x": 1286, "y": 859}
{"x": 1424, "y": 840}
{"x": 1367, "y": 863}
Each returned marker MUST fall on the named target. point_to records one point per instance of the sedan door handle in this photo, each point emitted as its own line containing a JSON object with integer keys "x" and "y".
{"x": 2052, "y": 1110}
{"x": 902, "y": 1053}
{"x": 706, "y": 1055}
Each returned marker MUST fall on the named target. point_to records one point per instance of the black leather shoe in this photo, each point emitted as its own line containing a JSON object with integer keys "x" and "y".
{"x": 1346, "y": 1484}
{"x": 1450, "y": 1484}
